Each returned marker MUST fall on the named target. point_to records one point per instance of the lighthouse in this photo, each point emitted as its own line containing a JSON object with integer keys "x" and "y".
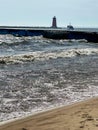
{"x": 54, "y": 24}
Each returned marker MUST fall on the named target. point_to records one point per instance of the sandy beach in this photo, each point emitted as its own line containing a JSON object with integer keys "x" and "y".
{"x": 78, "y": 116}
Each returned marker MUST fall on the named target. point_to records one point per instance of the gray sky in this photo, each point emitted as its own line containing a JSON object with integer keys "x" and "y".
{"x": 81, "y": 13}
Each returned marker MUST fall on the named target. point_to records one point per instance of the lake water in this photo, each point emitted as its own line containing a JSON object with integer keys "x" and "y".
{"x": 37, "y": 74}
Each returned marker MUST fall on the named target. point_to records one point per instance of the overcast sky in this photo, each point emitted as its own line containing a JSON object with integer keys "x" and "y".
{"x": 83, "y": 13}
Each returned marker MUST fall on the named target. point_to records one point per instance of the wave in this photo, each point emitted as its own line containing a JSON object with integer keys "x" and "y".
{"x": 42, "y": 55}
{"x": 10, "y": 39}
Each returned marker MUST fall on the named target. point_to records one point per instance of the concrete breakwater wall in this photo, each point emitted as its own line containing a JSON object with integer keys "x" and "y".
{"x": 89, "y": 36}
{"x": 51, "y": 33}
{"x": 21, "y": 32}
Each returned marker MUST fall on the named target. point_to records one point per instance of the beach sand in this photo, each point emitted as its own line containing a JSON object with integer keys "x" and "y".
{"x": 78, "y": 116}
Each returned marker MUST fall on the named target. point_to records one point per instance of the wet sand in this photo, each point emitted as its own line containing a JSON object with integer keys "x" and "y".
{"x": 78, "y": 116}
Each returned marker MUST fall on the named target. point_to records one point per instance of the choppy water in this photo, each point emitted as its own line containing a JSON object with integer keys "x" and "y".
{"x": 38, "y": 74}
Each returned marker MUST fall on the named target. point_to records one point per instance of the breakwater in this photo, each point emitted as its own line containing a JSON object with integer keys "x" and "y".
{"x": 51, "y": 33}
{"x": 89, "y": 36}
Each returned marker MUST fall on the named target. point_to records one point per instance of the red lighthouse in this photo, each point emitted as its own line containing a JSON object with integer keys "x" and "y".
{"x": 54, "y": 24}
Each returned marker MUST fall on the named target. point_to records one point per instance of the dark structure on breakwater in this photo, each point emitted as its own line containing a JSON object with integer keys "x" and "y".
{"x": 53, "y": 33}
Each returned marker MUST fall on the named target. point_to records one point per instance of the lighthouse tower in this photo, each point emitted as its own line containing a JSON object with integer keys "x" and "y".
{"x": 54, "y": 24}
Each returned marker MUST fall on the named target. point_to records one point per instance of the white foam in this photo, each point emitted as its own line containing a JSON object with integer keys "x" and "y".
{"x": 70, "y": 98}
{"x": 41, "y": 55}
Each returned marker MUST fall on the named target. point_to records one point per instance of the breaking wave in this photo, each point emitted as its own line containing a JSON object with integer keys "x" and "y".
{"x": 10, "y": 39}
{"x": 25, "y": 49}
{"x": 41, "y": 55}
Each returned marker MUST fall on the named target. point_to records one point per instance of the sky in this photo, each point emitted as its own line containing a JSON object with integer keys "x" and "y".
{"x": 80, "y": 13}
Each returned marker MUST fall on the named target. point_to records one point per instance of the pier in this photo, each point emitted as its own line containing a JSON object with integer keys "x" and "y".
{"x": 48, "y": 32}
